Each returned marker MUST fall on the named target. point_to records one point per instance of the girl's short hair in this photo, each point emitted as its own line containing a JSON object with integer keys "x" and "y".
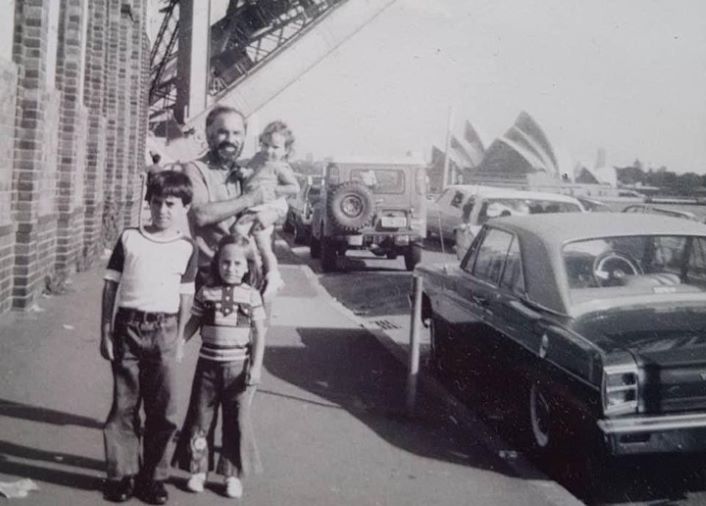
{"x": 278, "y": 127}
{"x": 254, "y": 276}
{"x": 169, "y": 183}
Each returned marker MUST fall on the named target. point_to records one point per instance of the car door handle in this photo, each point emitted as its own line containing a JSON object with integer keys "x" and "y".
{"x": 481, "y": 301}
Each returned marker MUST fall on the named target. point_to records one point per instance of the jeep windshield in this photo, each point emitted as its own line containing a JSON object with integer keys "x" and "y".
{"x": 380, "y": 180}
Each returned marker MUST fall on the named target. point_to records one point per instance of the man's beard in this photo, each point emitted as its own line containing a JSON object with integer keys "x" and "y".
{"x": 227, "y": 151}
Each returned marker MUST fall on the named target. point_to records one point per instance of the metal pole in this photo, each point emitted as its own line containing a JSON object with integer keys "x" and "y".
{"x": 449, "y": 125}
{"x": 414, "y": 344}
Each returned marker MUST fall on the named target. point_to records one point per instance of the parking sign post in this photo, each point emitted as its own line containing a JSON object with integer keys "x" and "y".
{"x": 414, "y": 344}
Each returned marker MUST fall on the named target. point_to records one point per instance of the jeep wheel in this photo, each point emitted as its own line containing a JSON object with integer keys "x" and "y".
{"x": 328, "y": 255}
{"x": 412, "y": 256}
{"x": 351, "y": 206}
{"x": 314, "y": 246}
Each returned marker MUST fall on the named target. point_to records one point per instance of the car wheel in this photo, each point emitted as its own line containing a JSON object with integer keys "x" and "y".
{"x": 287, "y": 226}
{"x": 540, "y": 417}
{"x": 436, "y": 358}
{"x": 328, "y": 255}
{"x": 412, "y": 256}
{"x": 351, "y": 206}
{"x": 314, "y": 246}
{"x": 299, "y": 236}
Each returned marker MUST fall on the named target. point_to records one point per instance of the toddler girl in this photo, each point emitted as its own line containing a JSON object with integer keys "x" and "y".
{"x": 269, "y": 172}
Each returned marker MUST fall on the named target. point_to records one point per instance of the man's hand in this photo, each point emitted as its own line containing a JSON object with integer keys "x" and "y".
{"x": 106, "y": 346}
{"x": 253, "y": 376}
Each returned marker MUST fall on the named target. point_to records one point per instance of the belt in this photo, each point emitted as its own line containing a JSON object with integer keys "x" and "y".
{"x": 126, "y": 313}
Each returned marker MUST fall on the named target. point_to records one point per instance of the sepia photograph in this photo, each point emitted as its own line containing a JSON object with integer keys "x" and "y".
{"x": 353, "y": 252}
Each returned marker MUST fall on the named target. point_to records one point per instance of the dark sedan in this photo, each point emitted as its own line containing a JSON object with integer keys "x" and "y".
{"x": 596, "y": 327}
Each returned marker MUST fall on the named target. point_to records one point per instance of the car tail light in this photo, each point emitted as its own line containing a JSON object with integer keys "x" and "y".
{"x": 420, "y": 181}
{"x": 620, "y": 389}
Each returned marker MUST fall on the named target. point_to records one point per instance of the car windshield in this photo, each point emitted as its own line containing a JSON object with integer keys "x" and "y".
{"x": 635, "y": 265}
{"x": 498, "y": 207}
{"x": 380, "y": 180}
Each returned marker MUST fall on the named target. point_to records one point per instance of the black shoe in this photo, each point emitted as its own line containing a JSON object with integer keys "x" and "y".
{"x": 119, "y": 490}
{"x": 152, "y": 492}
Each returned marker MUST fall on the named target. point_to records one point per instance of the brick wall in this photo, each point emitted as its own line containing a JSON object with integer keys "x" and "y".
{"x": 73, "y": 119}
{"x": 8, "y": 91}
{"x": 72, "y": 135}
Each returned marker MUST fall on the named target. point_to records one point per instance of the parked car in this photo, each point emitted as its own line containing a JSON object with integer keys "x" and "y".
{"x": 594, "y": 206}
{"x": 444, "y": 214}
{"x": 490, "y": 203}
{"x": 651, "y": 209}
{"x": 591, "y": 329}
{"x": 301, "y": 209}
{"x": 380, "y": 207}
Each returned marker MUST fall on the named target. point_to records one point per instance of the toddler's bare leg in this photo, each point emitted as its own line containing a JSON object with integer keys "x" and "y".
{"x": 273, "y": 279}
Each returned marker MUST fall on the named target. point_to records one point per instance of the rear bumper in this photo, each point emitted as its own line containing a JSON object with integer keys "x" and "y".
{"x": 655, "y": 434}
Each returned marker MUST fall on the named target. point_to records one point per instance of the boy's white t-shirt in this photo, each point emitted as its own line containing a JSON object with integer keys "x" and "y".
{"x": 152, "y": 273}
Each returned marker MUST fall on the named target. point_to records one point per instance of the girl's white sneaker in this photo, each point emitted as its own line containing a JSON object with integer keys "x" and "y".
{"x": 234, "y": 487}
{"x": 196, "y": 482}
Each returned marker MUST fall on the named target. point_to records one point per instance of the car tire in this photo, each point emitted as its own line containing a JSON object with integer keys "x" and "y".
{"x": 314, "y": 246}
{"x": 328, "y": 255}
{"x": 299, "y": 236}
{"x": 436, "y": 354}
{"x": 540, "y": 414}
{"x": 287, "y": 225}
{"x": 412, "y": 256}
{"x": 351, "y": 206}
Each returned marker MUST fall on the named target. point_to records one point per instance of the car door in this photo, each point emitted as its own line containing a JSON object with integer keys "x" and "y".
{"x": 451, "y": 213}
{"x": 518, "y": 326}
{"x": 473, "y": 293}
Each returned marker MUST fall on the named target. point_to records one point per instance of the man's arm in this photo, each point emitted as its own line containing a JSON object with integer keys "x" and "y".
{"x": 185, "y": 301}
{"x": 207, "y": 213}
{"x": 110, "y": 288}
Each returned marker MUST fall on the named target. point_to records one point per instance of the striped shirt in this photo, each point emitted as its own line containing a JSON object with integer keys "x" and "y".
{"x": 227, "y": 314}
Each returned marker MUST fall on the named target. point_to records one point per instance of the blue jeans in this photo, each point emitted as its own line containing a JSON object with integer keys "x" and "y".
{"x": 143, "y": 372}
{"x": 219, "y": 385}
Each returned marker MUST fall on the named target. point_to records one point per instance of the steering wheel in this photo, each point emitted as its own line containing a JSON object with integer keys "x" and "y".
{"x": 609, "y": 267}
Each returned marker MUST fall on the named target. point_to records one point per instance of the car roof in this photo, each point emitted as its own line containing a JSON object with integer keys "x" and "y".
{"x": 522, "y": 194}
{"x": 542, "y": 236}
{"x": 565, "y": 227}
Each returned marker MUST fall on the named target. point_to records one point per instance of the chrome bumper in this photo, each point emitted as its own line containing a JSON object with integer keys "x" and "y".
{"x": 637, "y": 424}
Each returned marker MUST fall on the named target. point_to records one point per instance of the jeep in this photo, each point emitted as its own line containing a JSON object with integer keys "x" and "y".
{"x": 380, "y": 207}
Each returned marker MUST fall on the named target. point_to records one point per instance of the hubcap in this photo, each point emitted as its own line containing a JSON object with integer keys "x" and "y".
{"x": 352, "y": 206}
{"x": 540, "y": 414}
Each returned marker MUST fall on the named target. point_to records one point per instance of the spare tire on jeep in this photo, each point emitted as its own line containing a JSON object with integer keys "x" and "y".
{"x": 351, "y": 206}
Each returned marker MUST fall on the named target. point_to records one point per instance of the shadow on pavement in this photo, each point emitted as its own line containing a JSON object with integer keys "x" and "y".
{"x": 49, "y": 474}
{"x": 38, "y": 414}
{"x": 347, "y": 368}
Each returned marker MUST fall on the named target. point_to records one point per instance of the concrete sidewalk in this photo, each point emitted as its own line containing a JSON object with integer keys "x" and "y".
{"x": 329, "y": 415}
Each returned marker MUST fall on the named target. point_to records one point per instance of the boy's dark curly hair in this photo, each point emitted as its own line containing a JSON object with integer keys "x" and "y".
{"x": 169, "y": 183}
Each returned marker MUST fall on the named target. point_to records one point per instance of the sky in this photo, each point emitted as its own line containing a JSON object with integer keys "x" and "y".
{"x": 628, "y": 76}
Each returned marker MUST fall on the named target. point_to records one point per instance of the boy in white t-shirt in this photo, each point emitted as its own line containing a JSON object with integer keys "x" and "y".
{"x": 150, "y": 279}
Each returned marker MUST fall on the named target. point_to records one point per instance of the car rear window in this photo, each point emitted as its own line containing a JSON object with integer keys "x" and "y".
{"x": 498, "y": 207}
{"x": 380, "y": 180}
{"x": 632, "y": 265}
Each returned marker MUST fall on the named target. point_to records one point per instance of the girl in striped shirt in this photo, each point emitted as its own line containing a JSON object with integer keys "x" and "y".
{"x": 230, "y": 317}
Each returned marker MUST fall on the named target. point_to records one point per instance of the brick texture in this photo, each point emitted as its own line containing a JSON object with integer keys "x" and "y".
{"x": 73, "y": 122}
